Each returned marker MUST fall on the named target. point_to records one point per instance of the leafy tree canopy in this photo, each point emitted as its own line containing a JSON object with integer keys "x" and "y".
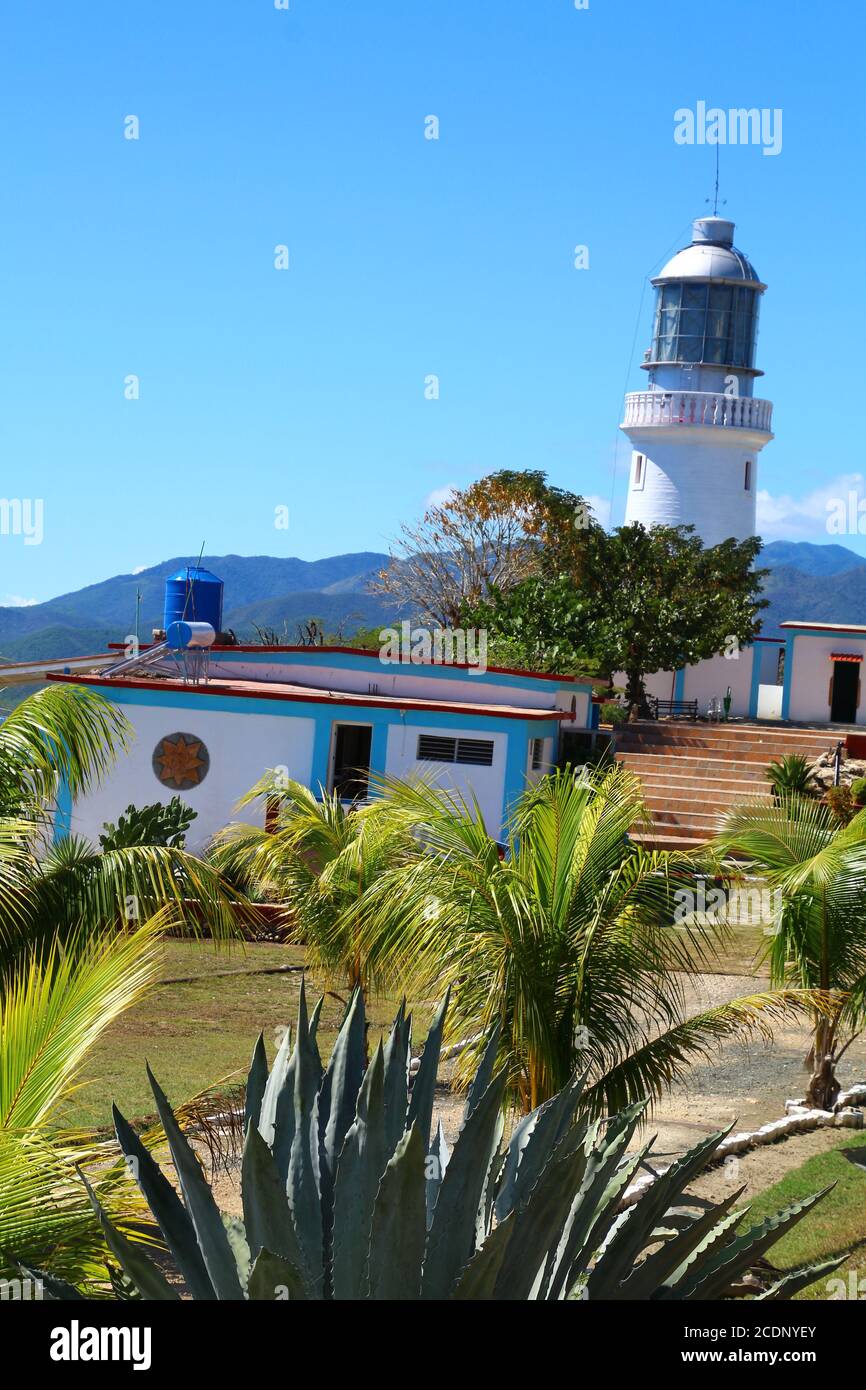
{"x": 642, "y": 601}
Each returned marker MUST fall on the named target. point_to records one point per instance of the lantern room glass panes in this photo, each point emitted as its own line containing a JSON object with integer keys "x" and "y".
{"x": 705, "y": 323}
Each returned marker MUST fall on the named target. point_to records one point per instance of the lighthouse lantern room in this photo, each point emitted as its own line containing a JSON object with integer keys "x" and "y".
{"x": 697, "y": 430}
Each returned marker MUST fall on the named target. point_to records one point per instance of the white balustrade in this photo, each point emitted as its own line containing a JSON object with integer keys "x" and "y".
{"x": 697, "y": 408}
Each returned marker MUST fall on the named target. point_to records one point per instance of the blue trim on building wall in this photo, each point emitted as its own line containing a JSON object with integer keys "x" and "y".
{"x": 680, "y": 684}
{"x": 757, "y": 654}
{"x": 63, "y": 813}
{"x": 789, "y": 672}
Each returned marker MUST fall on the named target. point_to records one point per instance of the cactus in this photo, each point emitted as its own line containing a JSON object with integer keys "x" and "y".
{"x": 349, "y": 1193}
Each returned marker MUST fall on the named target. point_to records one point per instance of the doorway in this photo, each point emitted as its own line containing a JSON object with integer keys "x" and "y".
{"x": 351, "y": 767}
{"x": 845, "y": 695}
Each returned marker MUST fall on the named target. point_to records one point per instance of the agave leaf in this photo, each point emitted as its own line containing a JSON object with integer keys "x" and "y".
{"x": 270, "y": 1276}
{"x": 396, "y": 1056}
{"x": 170, "y": 1213}
{"x": 604, "y": 1176}
{"x": 478, "y": 1279}
{"x": 267, "y": 1218}
{"x": 237, "y": 1239}
{"x": 424, "y": 1088}
{"x": 203, "y": 1211}
{"x": 437, "y": 1161}
{"x": 451, "y": 1239}
{"x": 797, "y": 1279}
{"x": 399, "y": 1227}
{"x": 531, "y": 1145}
{"x": 484, "y": 1214}
{"x": 279, "y": 1083}
{"x": 712, "y": 1278}
{"x": 656, "y": 1268}
{"x": 484, "y": 1075}
{"x": 257, "y": 1080}
{"x": 54, "y": 1290}
{"x": 360, "y": 1168}
{"x": 713, "y": 1240}
{"x": 149, "y": 1281}
{"x": 338, "y": 1096}
{"x": 303, "y": 1177}
{"x": 538, "y": 1226}
{"x": 636, "y": 1232}
{"x": 592, "y": 1221}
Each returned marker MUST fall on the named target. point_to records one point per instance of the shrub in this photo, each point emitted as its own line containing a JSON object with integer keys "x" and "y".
{"x": 790, "y": 775}
{"x": 347, "y": 1193}
{"x": 841, "y": 803}
{"x": 858, "y": 791}
{"x": 613, "y": 713}
{"x": 163, "y": 823}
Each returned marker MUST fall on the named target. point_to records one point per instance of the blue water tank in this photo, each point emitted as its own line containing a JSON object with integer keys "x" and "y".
{"x": 193, "y": 595}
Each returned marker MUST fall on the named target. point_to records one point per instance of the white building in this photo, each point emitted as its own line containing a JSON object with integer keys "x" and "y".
{"x": 697, "y": 431}
{"x": 329, "y": 717}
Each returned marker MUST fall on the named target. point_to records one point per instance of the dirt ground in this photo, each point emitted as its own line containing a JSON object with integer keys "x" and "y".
{"x": 747, "y": 1082}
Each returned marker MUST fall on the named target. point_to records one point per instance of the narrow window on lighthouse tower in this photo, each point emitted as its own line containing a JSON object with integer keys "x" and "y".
{"x": 747, "y": 478}
{"x": 639, "y": 462}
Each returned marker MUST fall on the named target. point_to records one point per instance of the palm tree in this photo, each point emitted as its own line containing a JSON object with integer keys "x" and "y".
{"x": 817, "y": 871}
{"x": 319, "y": 858}
{"x": 565, "y": 941}
{"x": 79, "y": 937}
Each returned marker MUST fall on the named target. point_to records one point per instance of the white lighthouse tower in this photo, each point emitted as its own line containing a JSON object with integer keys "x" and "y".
{"x": 697, "y": 431}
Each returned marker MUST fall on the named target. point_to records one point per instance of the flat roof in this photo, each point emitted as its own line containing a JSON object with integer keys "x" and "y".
{"x": 828, "y": 627}
{"x": 260, "y": 650}
{"x": 316, "y": 695}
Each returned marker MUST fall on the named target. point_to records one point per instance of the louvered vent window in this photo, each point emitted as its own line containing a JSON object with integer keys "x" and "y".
{"x": 433, "y": 748}
{"x": 537, "y": 753}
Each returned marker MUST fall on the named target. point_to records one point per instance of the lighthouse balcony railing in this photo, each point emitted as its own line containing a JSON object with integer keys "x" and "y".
{"x": 698, "y": 408}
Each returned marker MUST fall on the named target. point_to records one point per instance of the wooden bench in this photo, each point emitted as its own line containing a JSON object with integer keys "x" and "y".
{"x": 673, "y": 709}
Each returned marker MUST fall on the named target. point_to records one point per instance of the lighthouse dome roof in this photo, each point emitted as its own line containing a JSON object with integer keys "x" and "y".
{"x": 712, "y": 255}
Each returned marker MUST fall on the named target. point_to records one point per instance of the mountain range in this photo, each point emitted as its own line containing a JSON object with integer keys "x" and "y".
{"x": 282, "y": 593}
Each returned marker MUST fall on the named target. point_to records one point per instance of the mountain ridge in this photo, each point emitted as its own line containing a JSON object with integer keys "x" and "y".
{"x": 283, "y": 592}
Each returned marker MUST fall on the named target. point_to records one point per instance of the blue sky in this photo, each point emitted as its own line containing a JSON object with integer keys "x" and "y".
{"x": 261, "y": 388}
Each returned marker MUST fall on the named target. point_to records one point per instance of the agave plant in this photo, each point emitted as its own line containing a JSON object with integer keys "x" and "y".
{"x": 790, "y": 776}
{"x": 349, "y": 1194}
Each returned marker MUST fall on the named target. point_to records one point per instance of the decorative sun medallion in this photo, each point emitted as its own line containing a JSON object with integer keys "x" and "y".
{"x": 181, "y": 761}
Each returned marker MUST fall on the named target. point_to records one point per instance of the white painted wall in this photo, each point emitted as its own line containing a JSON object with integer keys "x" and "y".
{"x": 711, "y": 678}
{"x": 694, "y": 475}
{"x": 581, "y": 708}
{"x": 811, "y": 670}
{"x": 241, "y": 747}
{"x": 488, "y": 783}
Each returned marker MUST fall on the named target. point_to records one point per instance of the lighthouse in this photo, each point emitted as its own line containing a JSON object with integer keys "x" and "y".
{"x": 697, "y": 430}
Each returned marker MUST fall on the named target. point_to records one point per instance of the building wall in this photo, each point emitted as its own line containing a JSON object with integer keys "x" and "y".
{"x": 241, "y": 750}
{"x": 710, "y": 679}
{"x": 808, "y": 669}
{"x": 487, "y": 783}
{"x": 245, "y": 737}
{"x": 693, "y": 478}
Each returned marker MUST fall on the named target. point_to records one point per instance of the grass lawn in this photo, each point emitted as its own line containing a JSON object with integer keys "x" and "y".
{"x": 197, "y": 1033}
{"x": 837, "y": 1224}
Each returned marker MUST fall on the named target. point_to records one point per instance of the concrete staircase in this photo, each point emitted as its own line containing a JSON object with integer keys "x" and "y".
{"x": 693, "y": 772}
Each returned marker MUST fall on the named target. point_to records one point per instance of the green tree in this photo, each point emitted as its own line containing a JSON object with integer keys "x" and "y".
{"x": 815, "y": 870}
{"x": 481, "y": 540}
{"x": 564, "y": 942}
{"x": 644, "y": 601}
